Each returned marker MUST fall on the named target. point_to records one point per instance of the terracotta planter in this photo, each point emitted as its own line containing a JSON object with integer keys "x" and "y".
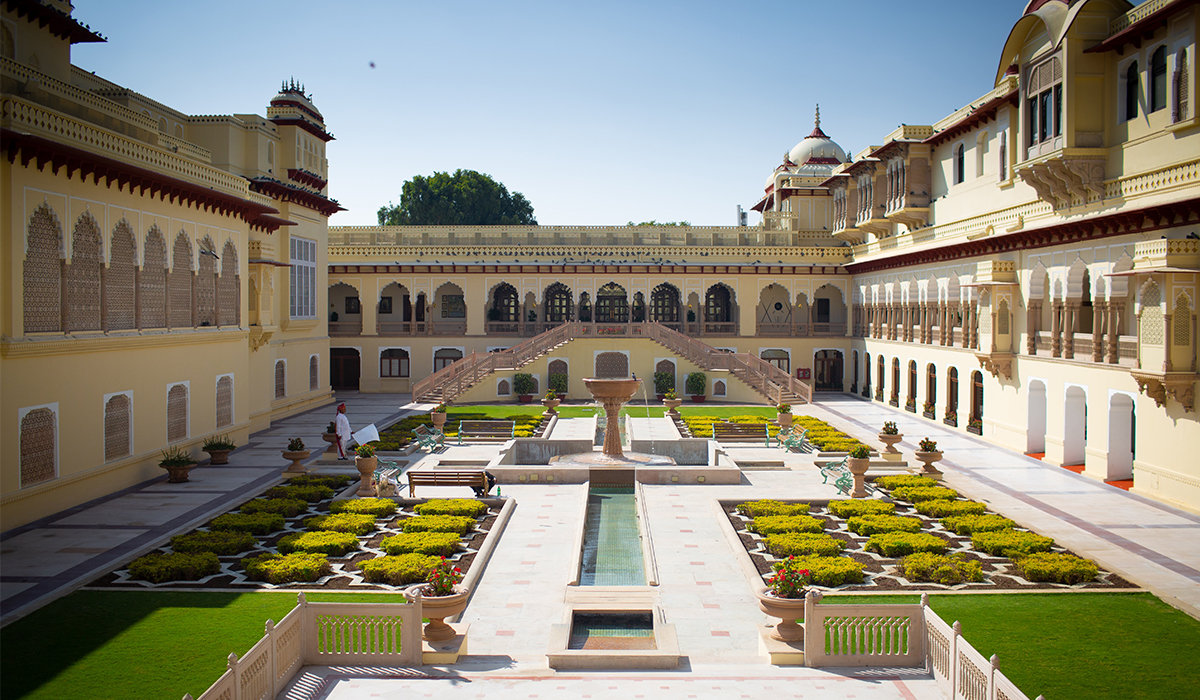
{"x": 858, "y": 467}
{"x": 177, "y": 474}
{"x": 525, "y": 398}
{"x": 366, "y": 469}
{"x": 698, "y": 398}
{"x": 218, "y": 456}
{"x": 788, "y": 610}
{"x": 672, "y": 405}
{"x": 927, "y": 461}
{"x": 550, "y": 404}
{"x": 296, "y": 458}
{"x": 889, "y": 442}
{"x": 439, "y": 419}
{"x": 784, "y": 420}
{"x": 437, "y": 609}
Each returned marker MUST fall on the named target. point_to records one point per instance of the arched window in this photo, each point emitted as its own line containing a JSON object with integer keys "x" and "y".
{"x": 895, "y": 380}
{"x": 637, "y": 312}
{"x": 505, "y": 306}
{"x": 314, "y": 372}
{"x": 779, "y": 358}
{"x": 83, "y": 276}
{"x": 177, "y": 413}
{"x": 1132, "y": 83}
{"x": 229, "y": 288}
{"x": 116, "y": 427}
{"x": 1179, "y": 83}
{"x": 952, "y": 391}
{"x": 718, "y": 304}
{"x": 930, "y": 386}
{"x": 612, "y": 304}
{"x": 1158, "y": 79}
{"x": 976, "y": 396}
{"x": 280, "y": 379}
{"x": 960, "y": 163}
{"x": 152, "y": 297}
{"x": 41, "y": 273}
{"x": 180, "y": 284}
{"x": 445, "y": 357}
{"x": 558, "y": 303}
{"x": 879, "y": 383}
{"x": 612, "y": 365}
{"x": 39, "y": 446}
{"x": 393, "y": 362}
{"x": 120, "y": 280}
{"x": 664, "y": 304}
{"x": 206, "y": 286}
{"x": 912, "y": 381}
{"x": 866, "y": 391}
{"x": 224, "y": 401}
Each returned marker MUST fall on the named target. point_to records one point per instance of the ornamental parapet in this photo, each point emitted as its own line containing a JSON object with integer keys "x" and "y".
{"x": 585, "y": 236}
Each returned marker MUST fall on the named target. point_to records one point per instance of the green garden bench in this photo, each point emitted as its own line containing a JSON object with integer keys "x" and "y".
{"x": 428, "y": 437}
{"x": 844, "y": 480}
{"x": 789, "y": 439}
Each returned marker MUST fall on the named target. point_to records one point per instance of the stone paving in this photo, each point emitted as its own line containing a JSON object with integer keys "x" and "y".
{"x": 702, "y": 590}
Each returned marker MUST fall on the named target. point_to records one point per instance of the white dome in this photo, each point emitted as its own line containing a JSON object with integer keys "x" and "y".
{"x": 817, "y": 147}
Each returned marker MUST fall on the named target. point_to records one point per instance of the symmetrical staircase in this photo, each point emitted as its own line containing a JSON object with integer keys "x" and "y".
{"x": 451, "y": 381}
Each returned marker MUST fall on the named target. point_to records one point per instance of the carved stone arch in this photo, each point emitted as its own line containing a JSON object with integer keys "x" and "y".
{"x": 1118, "y": 287}
{"x": 1037, "y": 282}
{"x": 665, "y": 302}
{"x": 230, "y": 287}
{"x": 558, "y": 305}
{"x": 612, "y": 304}
{"x": 1181, "y": 320}
{"x": 774, "y": 305}
{"x": 612, "y": 365}
{"x": 120, "y": 282}
{"x": 41, "y": 272}
{"x": 1151, "y": 326}
{"x": 152, "y": 299}
{"x": 179, "y": 284}
{"x": 206, "y": 286}
{"x": 83, "y": 275}
{"x": 719, "y": 387}
{"x": 503, "y": 303}
{"x": 1076, "y": 275}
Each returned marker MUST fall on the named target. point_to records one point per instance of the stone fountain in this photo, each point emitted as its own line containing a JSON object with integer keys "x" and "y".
{"x": 612, "y": 394}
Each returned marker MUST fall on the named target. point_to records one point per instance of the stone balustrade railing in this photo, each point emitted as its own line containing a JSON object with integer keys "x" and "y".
{"x": 77, "y": 95}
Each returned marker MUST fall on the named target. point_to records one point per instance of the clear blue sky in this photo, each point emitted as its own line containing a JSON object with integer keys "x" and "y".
{"x": 599, "y": 113}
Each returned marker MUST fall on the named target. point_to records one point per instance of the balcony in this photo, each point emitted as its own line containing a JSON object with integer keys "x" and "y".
{"x": 1066, "y": 176}
{"x": 345, "y": 329}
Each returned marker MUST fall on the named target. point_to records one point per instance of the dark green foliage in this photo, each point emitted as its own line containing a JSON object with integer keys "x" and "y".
{"x": 379, "y": 507}
{"x": 559, "y": 383}
{"x": 221, "y": 542}
{"x": 452, "y": 506}
{"x": 1057, "y": 567}
{"x": 847, "y": 509}
{"x": 287, "y": 507}
{"x": 696, "y": 384}
{"x": 948, "y": 571}
{"x": 303, "y": 492}
{"x": 1010, "y": 543}
{"x": 159, "y": 568}
{"x": 663, "y": 382}
{"x": 335, "y": 544}
{"x": 897, "y": 544}
{"x": 875, "y": 524}
{"x": 398, "y": 570}
{"x": 255, "y": 524}
{"x": 466, "y": 198}
{"x": 433, "y": 543}
{"x": 766, "y": 506}
{"x": 786, "y": 544}
{"x": 333, "y": 481}
{"x": 286, "y": 568}
{"x": 358, "y": 524}
{"x": 438, "y": 523}
{"x": 941, "y": 509}
{"x": 970, "y": 524}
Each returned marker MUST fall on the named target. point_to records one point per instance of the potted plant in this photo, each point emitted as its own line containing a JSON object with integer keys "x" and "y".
{"x": 438, "y": 415}
{"x": 663, "y": 382}
{"x": 671, "y": 400}
{"x": 951, "y": 417}
{"x": 859, "y": 461}
{"x": 928, "y": 453}
{"x": 559, "y": 383}
{"x": 783, "y": 597}
{"x": 910, "y": 405}
{"x": 975, "y": 425}
{"x": 889, "y": 436}
{"x": 523, "y": 387}
{"x": 218, "y": 448}
{"x": 178, "y": 462}
{"x": 895, "y": 400}
{"x": 697, "y": 386}
{"x": 330, "y": 436}
{"x": 927, "y": 409}
{"x": 296, "y": 453}
{"x": 365, "y": 462}
{"x": 442, "y": 596}
{"x": 879, "y": 394}
{"x": 784, "y": 417}
{"x": 550, "y": 401}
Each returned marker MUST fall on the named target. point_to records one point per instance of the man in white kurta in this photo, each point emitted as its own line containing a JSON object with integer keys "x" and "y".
{"x": 342, "y": 428}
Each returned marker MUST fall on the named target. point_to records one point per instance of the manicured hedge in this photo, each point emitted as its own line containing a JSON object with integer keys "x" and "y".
{"x": 826, "y": 437}
{"x": 898, "y": 544}
{"x": 875, "y": 524}
{"x": 970, "y": 524}
{"x": 452, "y": 506}
{"x": 180, "y": 566}
{"x": 220, "y": 542}
{"x": 255, "y": 524}
{"x": 398, "y": 570}
{"x": 899, "y": 480}
{"x": 334, "y": 544}
{"x": 286, "y": 568}
{"x": 287, "y": 507}
{"x": 773, "y": 524}
{"x": 948, "y": 571}
{"x": 786, "y": 544}
{"x": 356, "y": 523}
{"x": 304, "y": 492}
{"x": 848, "y": 509}
{"x": 401, "y": 433}
{"x": 701, "y": 426}
{"x": 941, "y": 509}
{"x": 433, "y": 543}
{"x": 916, "y": 494}
{"x": 766, "y": 506}
{"x": 1057, "y": 567}
{"x": 378, "y": 507}
{"x": 438, "y": 523}
{"x": 333, "y": 481}
{"x": 830, "y": 571}
{"x": 1010, "y": 543}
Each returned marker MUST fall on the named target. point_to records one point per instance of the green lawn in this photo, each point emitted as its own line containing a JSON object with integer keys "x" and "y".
{"x": 635, "y": 408}
{"x": 137, "y": 644}
{"x": 1100, "y": 646}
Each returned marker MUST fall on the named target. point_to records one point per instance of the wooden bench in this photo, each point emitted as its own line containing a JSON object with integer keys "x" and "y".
{"x": 475, "y": 479}
{"x": 741, "y": 432}
{"x": 486, "y": 430}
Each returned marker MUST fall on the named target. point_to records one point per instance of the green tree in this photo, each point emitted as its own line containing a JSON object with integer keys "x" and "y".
{"x": 652, "y": 222}
{"x": 466, "y": 198}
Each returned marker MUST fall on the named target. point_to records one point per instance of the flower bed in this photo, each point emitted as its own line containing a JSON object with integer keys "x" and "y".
{"x": 398, "y": 435}
{"x": 822, "y": 435}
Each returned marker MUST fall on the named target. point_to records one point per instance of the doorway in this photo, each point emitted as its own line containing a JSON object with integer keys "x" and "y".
{"x": 345, "y": 368}
{"x": 828, "y": 367}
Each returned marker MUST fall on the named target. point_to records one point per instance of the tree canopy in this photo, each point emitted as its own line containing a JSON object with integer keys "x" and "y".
{"x": 466, "y": 198}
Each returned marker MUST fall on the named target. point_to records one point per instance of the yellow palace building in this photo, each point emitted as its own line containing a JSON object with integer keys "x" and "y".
{"x": 1025, "y": 269}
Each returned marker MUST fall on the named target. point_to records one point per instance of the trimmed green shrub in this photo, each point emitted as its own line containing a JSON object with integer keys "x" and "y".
{"x": 220, "y": 542}
{"x": 948, "y": 571}
{"x": 786, "y": 544}
{"x": 255, "y": 524}
{"x": 434, "y": 543}
{"x": 1057, "y": 567}
{"x": 334, "y": 544}
{"x": 970, "y": 524}
{"x": 916, "y": 494}
{"x": 830, "y": 571}
{"x": 941, "y": 509}
{"x": 1010, "y": 543}
{"x": 766, "y": 506}
{"x": 180, "y": 566}
{"x": 897, "y": 544}
{"x": 848, "y": 509}
{"x": 774, "y": 524}
{"x": 398, "y": 570}
{"x": 438, "y": 523}
{"x": 355, "y": 523}
{"x": 899, "y": 480}
{"x": 333, "y": 481}
{"x": 304, "y": 492}
{"x": 287, "y": 507}
{"x": 875, "y": 524}
{"x": 452, "y": 506}
{"x": 286, "y": 568}
{"x": 379, "y": 507}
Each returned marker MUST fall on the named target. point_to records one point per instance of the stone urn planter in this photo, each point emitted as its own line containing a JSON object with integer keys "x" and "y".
{"x": 788, "y": 610}
{"x": 296, "y": 458}
{"x": 784, "y": 420}
{"x": 551, "y": 404}
{"x": 177, "y": 473}
{"x": 672, "y": 405}
{"x": 438, "y": 418}
{"x": 218, "y": 456}
{"x": 889, "y": 443}
{"x": 366, "y": 470}
{"x": 331, "y": 438}
{"x": 927, "y": 461}
{"x": 437, "y": 609}
{"x": 858, "y": 467}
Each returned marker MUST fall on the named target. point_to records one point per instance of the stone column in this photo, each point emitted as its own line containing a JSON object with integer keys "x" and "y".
{"x": 1056, "y": 311}
{"x": 1033, "y": 317}
{"x": 1114, "y": 336}
{"x": 1099, "y": 328}
{"x": 1070, "y": 318}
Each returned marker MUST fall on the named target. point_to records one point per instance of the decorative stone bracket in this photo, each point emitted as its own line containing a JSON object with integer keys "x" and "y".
{"x": 997, "y": 363}
{"x": 1057, "y": 180}
{"x": 259, "y": 337}
{"x": 1161, "y": 385}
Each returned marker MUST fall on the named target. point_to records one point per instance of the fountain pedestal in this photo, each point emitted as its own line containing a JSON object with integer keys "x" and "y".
{"x": 612, "y": 394}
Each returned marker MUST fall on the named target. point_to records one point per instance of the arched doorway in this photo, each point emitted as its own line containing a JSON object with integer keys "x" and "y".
{"x": 911, "y": 402}
{"x": 930, "y": 389}
{"x": 558, "y": 303}
{"x": 1035, "y": 433}
{"x": 718, "y": 311}
{"x": 1121, "y": 443}
{"x": 612, "y": 304}
{"x": 866, "y": 387}
{"x": 345, "y": 368}
{"x": 879, "y": 382}
{"x": 1075, "y": 427}
{"x": 827, "y": 365}
{"x": 505, "y": 311}
{"x": 975, "y": 418}
{"x": 664, "y": 305}
{"x": 854, "y": 386}
{"x": 895, "y": 399}
{"x": 952, "y": 396}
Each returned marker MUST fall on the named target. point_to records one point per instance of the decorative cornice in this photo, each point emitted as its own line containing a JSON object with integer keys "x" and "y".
{"x": 41, "y": 345}
{"x": 586, "y": 269}
{"x": 291, "y": 193}
{"x": 305, "y": 177}
{"x": 60, "y": 25}
{"x": 304, "y": 124}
